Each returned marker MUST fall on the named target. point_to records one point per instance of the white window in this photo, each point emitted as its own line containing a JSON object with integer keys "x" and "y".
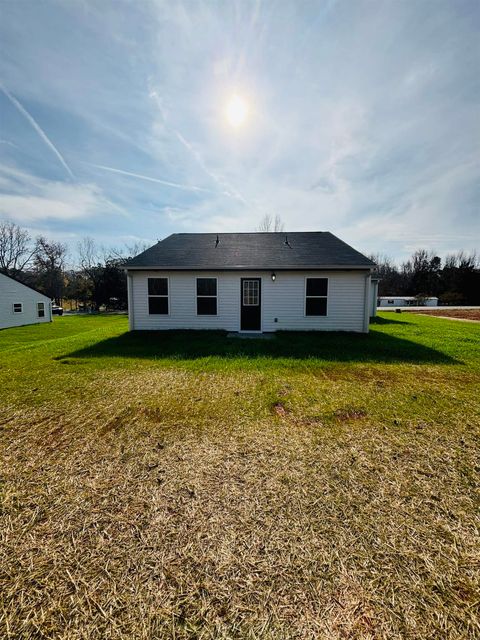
{"x": 158, "y": 296}
{"x": 40, "y": 309}
{"x": 251, "y": 293}
{"x": 316, "y": 291}
{"x": 390, "y": 301}
{"x": 206, "y": 296}
{"x": 17, "y": 307}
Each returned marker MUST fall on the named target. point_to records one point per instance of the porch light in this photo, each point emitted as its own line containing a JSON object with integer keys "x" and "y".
{"x": 273, "y": 276}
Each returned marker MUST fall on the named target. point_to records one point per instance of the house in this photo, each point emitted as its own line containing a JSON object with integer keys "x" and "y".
{"x": 406, "y": 301}
{"x": 21, "y": 305}
{"x": 250, "y": 282}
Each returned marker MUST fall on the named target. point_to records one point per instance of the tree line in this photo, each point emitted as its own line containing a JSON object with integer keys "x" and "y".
{"x": 97, "y": 279}
{"x": 454, "y": 280}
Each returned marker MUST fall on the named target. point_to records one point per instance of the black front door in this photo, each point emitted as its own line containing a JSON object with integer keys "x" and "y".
{"x": 250, "y": 299}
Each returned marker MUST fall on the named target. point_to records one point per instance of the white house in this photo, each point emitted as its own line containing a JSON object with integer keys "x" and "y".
{"x": 406, "y": 301}
{"x": 250, "y": 282}
{"x": 21, "y": 305}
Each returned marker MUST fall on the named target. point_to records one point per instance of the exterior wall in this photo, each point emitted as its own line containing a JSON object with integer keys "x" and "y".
{"x": 284, "y": 300}
{"x": 12, "y": 292}
{"x": 407, "y": 302}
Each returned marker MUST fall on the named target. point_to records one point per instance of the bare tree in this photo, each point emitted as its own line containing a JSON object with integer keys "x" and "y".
{"x": 49, "y": 263}
{"x": 16, "y": 249}
{"x": 102, "y": 270}
{"x": 91, "y": 266}
{"x": 88, "y": 253}
{"x": 128, "y": 251}
{"x": 390, "y": 279}
{"x": 271, "y": 223}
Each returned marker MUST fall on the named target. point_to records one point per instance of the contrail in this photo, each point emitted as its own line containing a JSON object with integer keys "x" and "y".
{"x": 229, "y": 190}
{"x": 175, "y": 185}
{"x": 38, "y": 129}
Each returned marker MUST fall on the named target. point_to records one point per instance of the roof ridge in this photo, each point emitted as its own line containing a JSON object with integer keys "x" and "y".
{"x": 239, "y": 233}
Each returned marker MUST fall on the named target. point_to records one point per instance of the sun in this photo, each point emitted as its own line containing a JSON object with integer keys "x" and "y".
{"x": 237, "y": 111}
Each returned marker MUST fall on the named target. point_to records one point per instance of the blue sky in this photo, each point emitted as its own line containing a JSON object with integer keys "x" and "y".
{"x": 363, "y": 119}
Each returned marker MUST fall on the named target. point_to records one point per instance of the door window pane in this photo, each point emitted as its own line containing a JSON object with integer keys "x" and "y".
{"x": 251, "y": 290}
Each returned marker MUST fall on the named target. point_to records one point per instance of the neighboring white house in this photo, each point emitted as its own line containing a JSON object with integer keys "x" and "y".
{"x": 406, "y": 301}
{"x": 250, "y": 282}
{"x": 21, "y": 305}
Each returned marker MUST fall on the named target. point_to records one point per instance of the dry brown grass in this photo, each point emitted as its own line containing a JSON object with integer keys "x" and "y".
{"x": 175, "y": 504}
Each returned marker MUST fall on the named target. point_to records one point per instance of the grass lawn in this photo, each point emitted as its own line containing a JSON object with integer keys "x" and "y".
{"x": 188, "y": 485}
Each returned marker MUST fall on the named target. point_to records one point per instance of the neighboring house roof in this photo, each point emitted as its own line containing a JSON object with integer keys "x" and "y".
{"x": 262, "y": 250}
{"x": 24, "y": 285}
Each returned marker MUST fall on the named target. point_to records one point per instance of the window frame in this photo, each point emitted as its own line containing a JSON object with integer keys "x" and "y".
{"x": 15, "y": 304}
{"x": 197, "y": 278}
{"x": 44, "y": 310}
{"x": 305, "y": 297}
{"x": 159, "y": 296}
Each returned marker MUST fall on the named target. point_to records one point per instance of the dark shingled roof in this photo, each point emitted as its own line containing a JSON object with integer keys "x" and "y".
{"x": 25, "y": 285}
{"x": 312, "y": 250}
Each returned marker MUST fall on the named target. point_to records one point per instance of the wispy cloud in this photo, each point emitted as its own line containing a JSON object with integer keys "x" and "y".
{"x": 38, "y": 129}
{"x": 139, "y": 176}
{"x": 363, "y": 120}
{"x": 228, "y": 189}
{"x": 26, "y": 199}
{"x": 224, "y": 184}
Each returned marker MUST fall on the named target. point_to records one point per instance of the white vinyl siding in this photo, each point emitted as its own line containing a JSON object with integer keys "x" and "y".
{"x": 15, "y": 296}
{"x": 282, "y": 299}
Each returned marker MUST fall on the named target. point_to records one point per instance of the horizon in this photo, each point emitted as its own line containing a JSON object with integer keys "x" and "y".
{"x": 129, "y": 122}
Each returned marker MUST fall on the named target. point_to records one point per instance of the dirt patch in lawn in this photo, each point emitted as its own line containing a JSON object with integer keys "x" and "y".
{"x": 463, "y": 314}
